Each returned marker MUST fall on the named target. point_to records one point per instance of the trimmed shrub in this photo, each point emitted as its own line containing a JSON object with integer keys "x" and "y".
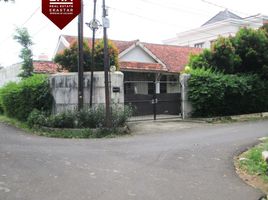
{"x": 217, "y": 94}
{"x": 20, "y": 99}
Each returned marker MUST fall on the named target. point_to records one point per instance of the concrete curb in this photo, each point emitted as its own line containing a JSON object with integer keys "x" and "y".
{"x": 243, "y": 117}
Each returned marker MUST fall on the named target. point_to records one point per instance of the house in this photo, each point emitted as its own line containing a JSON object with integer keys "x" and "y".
{"x": 225, "y": 24}
{"x": 146, "y": 67}
{"x": 12, "y": 72}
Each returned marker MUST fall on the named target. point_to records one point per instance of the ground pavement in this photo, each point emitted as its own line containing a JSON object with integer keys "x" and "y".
{"x": 174, "y": 160}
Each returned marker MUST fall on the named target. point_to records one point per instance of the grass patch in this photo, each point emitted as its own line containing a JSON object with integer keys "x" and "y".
{"x": 252, "y": 163}
{"x": 14, "y": 122}
{"x": 63, "y": 133}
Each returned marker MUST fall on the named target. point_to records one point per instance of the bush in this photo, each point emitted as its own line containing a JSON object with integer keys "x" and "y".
{"x": 1, "y": 109}
{"x": 20, "y": 99}
{"x": 121, "y": 115}
{"x": 86, "y": 118}
{"x": 36, "y": 118}
{"x": 217, "y": 94}
{"x": 63, "y": 120}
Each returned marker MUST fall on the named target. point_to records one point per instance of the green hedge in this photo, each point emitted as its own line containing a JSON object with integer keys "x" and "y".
{"x": 216, "y": 94}
{"x": 18, "y": 100}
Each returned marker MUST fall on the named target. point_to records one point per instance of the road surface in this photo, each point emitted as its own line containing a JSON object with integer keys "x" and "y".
{"x": 191, "y": 163}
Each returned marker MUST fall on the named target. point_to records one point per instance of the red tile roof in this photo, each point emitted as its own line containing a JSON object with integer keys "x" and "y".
{"x": 47, "y": 67}
{"x": 121, "y": 45}
{"x": 175, "y": 58}
{"x": 138, "y": 66}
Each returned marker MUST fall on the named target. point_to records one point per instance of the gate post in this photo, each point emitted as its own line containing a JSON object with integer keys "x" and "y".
{"x": 186, "y": 106}
{"x": 154, "y": 100}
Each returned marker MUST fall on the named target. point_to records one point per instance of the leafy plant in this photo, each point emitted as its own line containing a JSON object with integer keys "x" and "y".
{"x": 20, "y": 99}
{"x": 246, "y": 52}
{"x": 86, "y": 118}
{"x": 99, "y": 55}
{"x": 252, "y": 47}
{"x": 24, "y": 39}
{"x": 68, "y": 59}
{"x": 217, "y": 94}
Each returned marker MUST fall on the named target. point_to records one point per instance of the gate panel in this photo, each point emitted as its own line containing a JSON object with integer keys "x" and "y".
{"x": 168, "y": 104}
{"x": 153, "y": 99}
{"x": 141, "y": 103}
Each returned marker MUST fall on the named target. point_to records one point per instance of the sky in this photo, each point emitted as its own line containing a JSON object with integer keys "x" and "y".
{"x": 147, "y": 20}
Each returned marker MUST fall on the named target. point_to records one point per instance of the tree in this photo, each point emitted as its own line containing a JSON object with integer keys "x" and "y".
{"x": 265, "y": 28}
{"x": 223, "y": 55}
{"x": 68, "y": 59}
{"x": 99, "y": 54}
{"x": 202, "y": 60}
{"x": 24, "y": 39}
{"x": 252, "y": 47}
{"x": 246, "y": 52}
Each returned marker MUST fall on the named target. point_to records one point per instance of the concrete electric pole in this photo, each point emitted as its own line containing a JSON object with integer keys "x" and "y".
{"x": 80, "y": 59}
{"x": 105, "y": 24}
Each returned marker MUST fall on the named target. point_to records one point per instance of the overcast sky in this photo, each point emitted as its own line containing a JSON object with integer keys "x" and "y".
{"x": 146, "y": 20}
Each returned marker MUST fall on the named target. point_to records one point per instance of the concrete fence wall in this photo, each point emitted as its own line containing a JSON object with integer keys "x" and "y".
{"x": 65, "y": 90}
{"x": 186, "y": 106}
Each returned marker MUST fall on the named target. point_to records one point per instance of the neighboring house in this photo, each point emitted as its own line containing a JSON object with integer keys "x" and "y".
{"x": 225, "y": 24}
{"x": 145, "y": 63}
{"x": 11, "y": 73}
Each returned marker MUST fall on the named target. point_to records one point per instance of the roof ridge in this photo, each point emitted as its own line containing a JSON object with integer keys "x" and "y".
{"x": 222, "y": 15}
{"x": 136, "y": 40}
{"x": 171, "y": 45}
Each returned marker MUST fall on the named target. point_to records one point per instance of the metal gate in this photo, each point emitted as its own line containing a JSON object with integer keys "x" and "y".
{"x": 148, "y": 103}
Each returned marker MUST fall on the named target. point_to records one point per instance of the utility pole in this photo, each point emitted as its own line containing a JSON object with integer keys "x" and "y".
{"x": 94, "y": 25}
{"x": 105, "y": 23}
{"x": 80, "y": 60}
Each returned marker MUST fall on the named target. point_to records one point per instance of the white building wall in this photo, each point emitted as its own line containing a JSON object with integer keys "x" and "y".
{"x": 206, "y": 34}
{"x": 137, "y": 55}
{"x": 9, "y": 74}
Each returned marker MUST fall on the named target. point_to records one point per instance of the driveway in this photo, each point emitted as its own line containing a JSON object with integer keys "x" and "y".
{"x": 195, "y": 162}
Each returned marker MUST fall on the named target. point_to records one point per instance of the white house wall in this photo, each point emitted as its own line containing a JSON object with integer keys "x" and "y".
{"x": 137, "y": 55}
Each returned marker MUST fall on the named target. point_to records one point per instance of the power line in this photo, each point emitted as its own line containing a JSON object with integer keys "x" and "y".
{"x": 220, "y": 6}
{"x": 175, "y": 8}
{"x": 30, "y": 17}
{"x": 23, "y": 24}
{"x": 171, "y": 24}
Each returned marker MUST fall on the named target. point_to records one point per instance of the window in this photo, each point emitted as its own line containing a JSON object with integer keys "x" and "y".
{"x": 199, "y": 45}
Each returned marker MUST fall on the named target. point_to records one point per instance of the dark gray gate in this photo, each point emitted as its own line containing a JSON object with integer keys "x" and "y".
{"x": 152, "y": 105}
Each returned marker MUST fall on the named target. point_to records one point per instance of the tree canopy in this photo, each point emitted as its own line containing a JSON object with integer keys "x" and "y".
{"x": 24, "y": 39}
{"x": 246, "y": 52}
{"x": 68, "y": 59}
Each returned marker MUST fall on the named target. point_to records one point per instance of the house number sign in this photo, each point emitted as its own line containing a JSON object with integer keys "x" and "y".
{"x": 61, "y": 12}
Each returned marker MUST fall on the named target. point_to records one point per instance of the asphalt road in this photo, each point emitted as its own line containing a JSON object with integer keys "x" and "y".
{"x": 192, "y": 163}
